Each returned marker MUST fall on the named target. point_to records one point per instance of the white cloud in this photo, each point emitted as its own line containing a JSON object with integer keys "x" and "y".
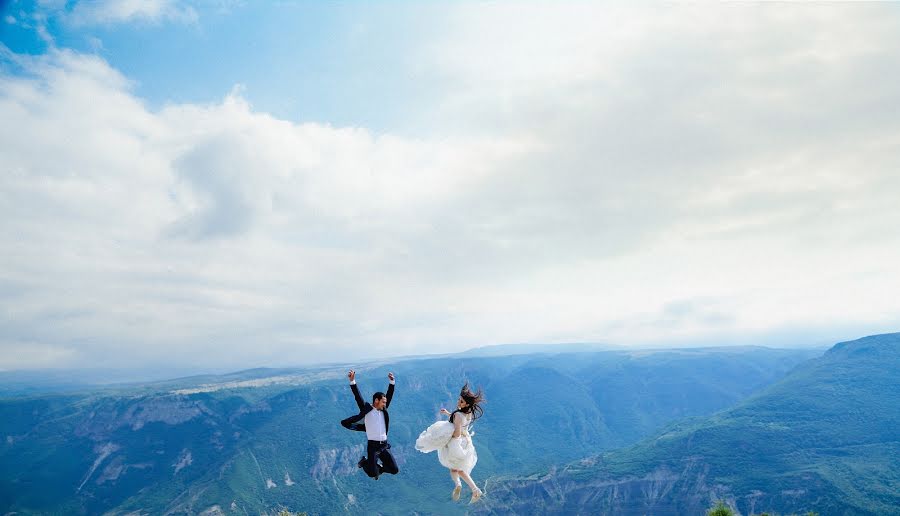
{"x": 617, "y": 175}
{"x": 197, "y": 224}
{"x": 109, "y": 12}
{"x": 93, "y": 13}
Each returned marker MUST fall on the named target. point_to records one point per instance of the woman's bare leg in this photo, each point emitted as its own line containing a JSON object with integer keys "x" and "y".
{"x": 476, "y": 493}
{"x": 454, "y": 474}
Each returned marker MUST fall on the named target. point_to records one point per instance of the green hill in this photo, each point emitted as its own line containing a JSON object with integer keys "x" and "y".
{"x": 826, "y": 438}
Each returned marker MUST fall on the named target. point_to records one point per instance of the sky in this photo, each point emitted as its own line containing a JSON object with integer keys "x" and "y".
{"x": 229, "y": 184}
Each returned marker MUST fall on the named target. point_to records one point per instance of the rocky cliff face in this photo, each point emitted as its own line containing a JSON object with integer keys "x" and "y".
{"x": 663, "y": 491}
{"x": 113, "y": 414}
{"x": 337, "y": 461}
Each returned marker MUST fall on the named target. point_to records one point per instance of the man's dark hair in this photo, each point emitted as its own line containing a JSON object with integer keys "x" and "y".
{"x": 377, "y": 396}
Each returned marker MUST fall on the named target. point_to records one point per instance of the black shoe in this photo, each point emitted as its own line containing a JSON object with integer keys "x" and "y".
{"x": 361, "y": 462}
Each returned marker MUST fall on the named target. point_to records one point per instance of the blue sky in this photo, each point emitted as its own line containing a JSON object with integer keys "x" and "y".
{"x": 302, "y": 61}
{"x": 232, "y": 184}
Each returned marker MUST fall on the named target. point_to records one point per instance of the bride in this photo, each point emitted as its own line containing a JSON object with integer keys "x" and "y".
{"x": 453, "y": 440}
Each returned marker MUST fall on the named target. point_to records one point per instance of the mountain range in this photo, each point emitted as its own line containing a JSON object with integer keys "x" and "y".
{"x": 663, "y": 430}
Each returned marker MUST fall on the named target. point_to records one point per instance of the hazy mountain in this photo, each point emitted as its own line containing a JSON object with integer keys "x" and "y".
{"x": 256, "y": 440}
{"x": 529, "y": 349}
{"x": 825, "y": 438}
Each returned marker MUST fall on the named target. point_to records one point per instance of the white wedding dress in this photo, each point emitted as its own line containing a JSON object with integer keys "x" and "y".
{"x": 453, "y": 453}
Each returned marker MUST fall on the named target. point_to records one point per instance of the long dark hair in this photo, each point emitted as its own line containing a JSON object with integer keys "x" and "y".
{"x": 473, "y": 402}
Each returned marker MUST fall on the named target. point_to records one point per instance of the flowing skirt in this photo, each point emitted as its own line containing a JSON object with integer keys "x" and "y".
{"x": 453, "y": 453}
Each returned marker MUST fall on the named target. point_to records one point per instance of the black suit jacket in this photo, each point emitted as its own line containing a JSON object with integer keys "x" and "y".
{"x": 354, "y": 422}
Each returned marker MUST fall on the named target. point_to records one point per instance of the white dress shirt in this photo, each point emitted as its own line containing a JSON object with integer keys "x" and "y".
{"x": 375, "y": 427}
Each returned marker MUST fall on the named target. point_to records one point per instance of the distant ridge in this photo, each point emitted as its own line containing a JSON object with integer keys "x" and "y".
{"x": 593, "y": 347}
{"x": 876, "y": 344}
{"x": 526, "y": 349}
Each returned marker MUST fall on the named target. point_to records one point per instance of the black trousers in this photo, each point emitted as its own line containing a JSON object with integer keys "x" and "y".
{"x": 379, "y": 450}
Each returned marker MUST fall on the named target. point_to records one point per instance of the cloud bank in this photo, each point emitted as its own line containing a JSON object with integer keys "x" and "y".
{"x": 621, "y": 175}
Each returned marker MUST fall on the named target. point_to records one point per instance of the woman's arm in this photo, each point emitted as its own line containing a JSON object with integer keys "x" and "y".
{"x": 457, "y": 425}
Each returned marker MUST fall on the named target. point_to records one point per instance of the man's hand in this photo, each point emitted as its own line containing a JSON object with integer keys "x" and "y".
{"x": 391, "y": 376}
{"x": 351, "y": 375}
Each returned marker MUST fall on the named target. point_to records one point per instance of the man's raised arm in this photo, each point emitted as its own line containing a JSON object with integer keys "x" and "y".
{"x": 359, "y": 401}
{"x": 390, "y": 391}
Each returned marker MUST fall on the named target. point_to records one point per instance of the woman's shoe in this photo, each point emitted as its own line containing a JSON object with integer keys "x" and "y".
{"x": 456, "y": 491}
{"x": 476, "y": 495}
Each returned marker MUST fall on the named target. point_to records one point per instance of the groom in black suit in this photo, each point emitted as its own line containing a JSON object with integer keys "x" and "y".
{"x": 375, "y": 423}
